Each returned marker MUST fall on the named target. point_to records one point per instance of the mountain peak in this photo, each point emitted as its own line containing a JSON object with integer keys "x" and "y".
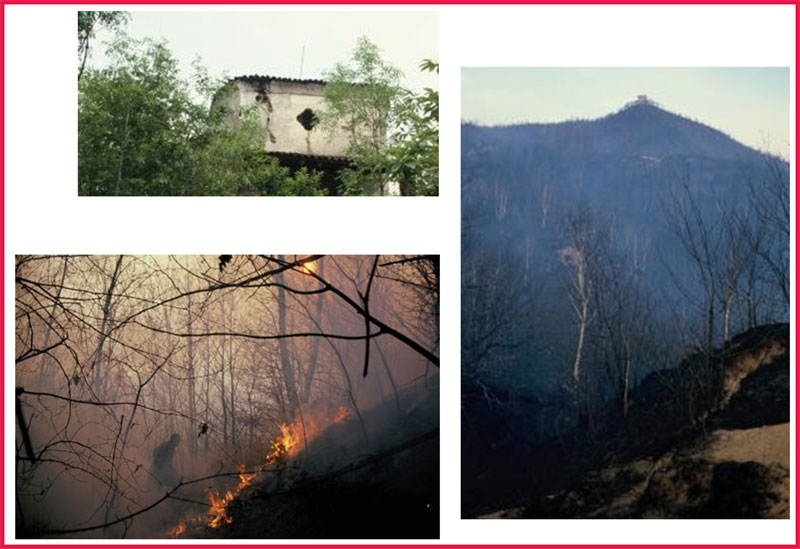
{"x": 644, "y": 127}
{"x": 640, "y": 100}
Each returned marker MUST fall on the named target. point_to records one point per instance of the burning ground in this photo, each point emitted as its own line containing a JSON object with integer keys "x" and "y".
{"x": 227, "y": 396}
{"x": 341, "y": 485}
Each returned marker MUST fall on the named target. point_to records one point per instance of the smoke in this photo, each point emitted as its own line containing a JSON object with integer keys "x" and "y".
{"x": 117, "y": 353}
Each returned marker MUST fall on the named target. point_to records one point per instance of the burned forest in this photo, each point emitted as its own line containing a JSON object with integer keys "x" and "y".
{"x": 227, "y": 396}
{"x": 624, "y": 316}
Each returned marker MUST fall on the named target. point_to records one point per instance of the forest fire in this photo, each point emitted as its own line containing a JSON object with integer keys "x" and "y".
{"x": 218, "y": 507}
{"x": 178, "y": 530}
{"x": 217, "y": 514}
{"x": 282, "y": 393}
{"x": 288, "y": 442}
{"x": 283, "y": 444}
{"x": 341, "y": 415}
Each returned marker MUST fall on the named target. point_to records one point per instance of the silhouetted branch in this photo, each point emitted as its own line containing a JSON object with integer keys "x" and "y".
{"x": 101, "y": 404}
{"x": 365, "y": 301}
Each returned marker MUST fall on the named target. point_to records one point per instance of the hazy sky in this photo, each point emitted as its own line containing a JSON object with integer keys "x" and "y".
{"x": 750, "y": 104}
{"x": 271, "y": 43}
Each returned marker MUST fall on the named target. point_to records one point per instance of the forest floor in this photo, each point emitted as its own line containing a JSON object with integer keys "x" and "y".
{"x": 729, "y": 474}
{"x": 350, "y": 485}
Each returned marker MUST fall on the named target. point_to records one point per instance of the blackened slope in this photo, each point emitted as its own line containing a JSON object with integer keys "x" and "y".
{"x": 666, "y": 464}
{"x": 638, "y": 130}
{"x": 669, "y": 403}
{"x": 520, "y": 182}
{"x": 349, "y": 487}
{"x": 649, "y": 130}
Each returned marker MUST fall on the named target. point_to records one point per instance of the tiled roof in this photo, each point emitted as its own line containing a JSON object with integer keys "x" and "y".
{"x": 259, "y": 78}
{"x": 317, "y": 157}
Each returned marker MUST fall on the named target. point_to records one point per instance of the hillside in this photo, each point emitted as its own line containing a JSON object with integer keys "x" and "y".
{"x": 641, "y": 129}
{"x": 642, "y": 183}
{"x": 727, "y": 457}
{"x": 606, "y": 265}
{"x": 622, "y": 163}
{"x": 344, "y": 484}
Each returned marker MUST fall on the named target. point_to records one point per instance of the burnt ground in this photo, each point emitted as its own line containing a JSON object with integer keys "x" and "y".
{"x": 348, "y": 486}
{"x": 655, "y": 465}
{"x": 394, "y": 495}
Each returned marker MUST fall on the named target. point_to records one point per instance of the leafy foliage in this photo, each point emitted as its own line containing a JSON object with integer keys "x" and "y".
{"x": 144, "y": 130}
{"x": 88, "y": 22}
{"x": 413, "y": 157}
{"x": 394, "y": 133}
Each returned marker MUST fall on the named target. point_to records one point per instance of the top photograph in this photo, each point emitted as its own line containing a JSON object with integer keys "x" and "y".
{"x": 258, "y": 103}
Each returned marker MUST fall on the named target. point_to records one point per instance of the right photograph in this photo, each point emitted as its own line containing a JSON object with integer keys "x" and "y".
{"x": 625, "y": 293}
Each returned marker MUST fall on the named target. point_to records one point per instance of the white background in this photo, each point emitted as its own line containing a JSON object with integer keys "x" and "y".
{"x": 44, "y": 215}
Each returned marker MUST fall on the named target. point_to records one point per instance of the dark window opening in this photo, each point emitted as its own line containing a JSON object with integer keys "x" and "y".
{"x": 308, "y": 119}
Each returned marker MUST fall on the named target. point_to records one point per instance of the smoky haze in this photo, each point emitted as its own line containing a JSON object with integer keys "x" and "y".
{"x": 251, "y": 360}
{"x": 600, "y": 258}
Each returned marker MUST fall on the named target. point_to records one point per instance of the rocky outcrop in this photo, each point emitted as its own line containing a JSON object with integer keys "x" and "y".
{"x": 733, "y": 474}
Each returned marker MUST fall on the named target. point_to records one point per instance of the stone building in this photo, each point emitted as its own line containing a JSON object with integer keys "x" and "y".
{"x": 289, "y": 109}
{"x": 642, "y": 99}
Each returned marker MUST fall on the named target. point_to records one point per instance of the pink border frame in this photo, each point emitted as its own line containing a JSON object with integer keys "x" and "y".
{"x": 366, "y": 3}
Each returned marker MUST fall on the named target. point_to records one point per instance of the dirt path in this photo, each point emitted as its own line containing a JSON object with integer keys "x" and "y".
{"x": 767, "y": 445}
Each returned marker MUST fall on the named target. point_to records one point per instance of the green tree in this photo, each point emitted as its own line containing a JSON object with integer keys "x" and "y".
{"x": 143, "y": 130}
{"x": 362, "y": 96}
{"x": 412, "y": 157}
{"x": 136, "y": 121}
{"x": 88, "y": 23}
{"x": 394, "y": 133}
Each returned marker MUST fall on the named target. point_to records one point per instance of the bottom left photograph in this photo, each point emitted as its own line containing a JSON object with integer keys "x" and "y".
{"x": 227, "y": 396}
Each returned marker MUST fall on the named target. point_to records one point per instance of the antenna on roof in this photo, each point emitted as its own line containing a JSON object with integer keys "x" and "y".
{"x": 302, "y": 59}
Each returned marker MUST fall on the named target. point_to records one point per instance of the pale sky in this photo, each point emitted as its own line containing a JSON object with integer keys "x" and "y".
{"x": 271, "y": 43}
{"x": 750, "y": 104}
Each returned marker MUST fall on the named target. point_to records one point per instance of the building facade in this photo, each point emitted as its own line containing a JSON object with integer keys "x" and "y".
{"x": 289, "y": 110}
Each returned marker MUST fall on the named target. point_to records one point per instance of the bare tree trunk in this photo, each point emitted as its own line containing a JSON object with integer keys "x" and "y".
{"x": 312, "y": 361}
{"x": 251, "y": 423}
{"x": 83, "y": 59}
{"x": 349, "y": 382}
{"x": 44, "y": 374}
{"x": 583, "y": 318}
{"x": 191, "y": 376}
{"x": 207, "y": 368}
{"x": 283, "y": 349}
{"x": 222, "y": 392}
{"x": 101, "y": 338}
{"x": 232, "y": 400}
{"x": 626, "y": 387}
{"x": 389, "y": 374}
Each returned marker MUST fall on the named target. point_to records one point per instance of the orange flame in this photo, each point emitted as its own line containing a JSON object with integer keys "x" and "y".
{"x": 245, "y": 479}
{"x": 218, "y": 504}
{"x": 178, "y": 530}
{"x": 341, "y": 415}
{"x": 218, "y": 512}
{"x": 286, "y": 444}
